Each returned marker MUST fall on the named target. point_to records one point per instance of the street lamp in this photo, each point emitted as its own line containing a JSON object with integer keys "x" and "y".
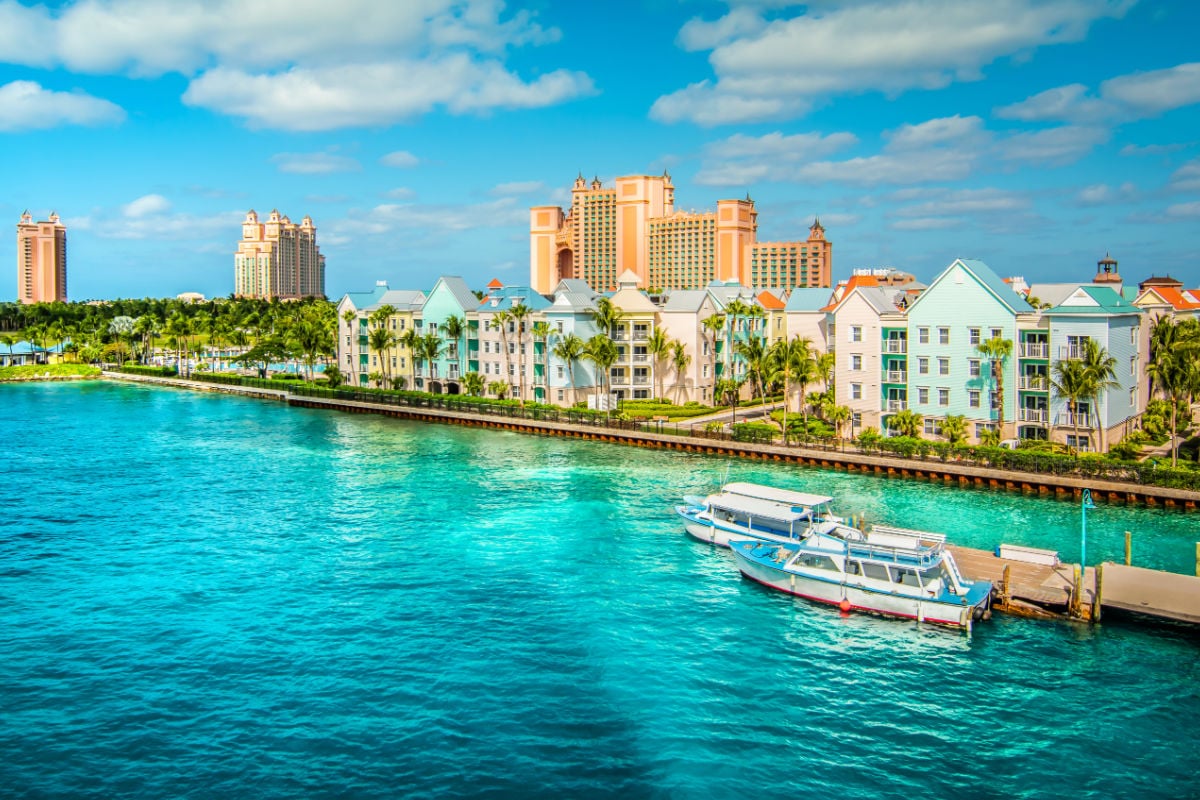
{"x": 1084, "y": 506}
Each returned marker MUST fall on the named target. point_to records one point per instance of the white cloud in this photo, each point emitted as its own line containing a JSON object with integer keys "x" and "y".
{"x": 780, "y": 67}
{"x": 322, "y": 65}
{"x": 401, "y": 159}
{"x": 314, "y": 163}
{"x": 146, "y": 205}
{"x": 388, "y": 218}
{"x": 1120, "y": 99}
{"x": 927, "y": 224}
{"x": 25, "y": 105}
{"x": 942, "y": 202}
{"x": 1151, "y": 149}
{"x": 1184, "y": 210}
{"x": 1102, "y": 194}
{"x": 1186, "y": 178}
{"x": 1062, "y": 145}
{"x": 400, "y": 193}
{"x": 157, "y": 224}
{"x": 324, "y": 98}
{"x": 741, "y": 160}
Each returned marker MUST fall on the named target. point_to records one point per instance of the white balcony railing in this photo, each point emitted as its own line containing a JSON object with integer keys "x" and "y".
{"x": 640, "y": 358}
{"x": 897, "y": 405}
{"x": 641, "y": 380}
{"x": 896, "y": 376}
{"x": 1039, "y": 415}
{"x": 1033, "y": 350}
{"x": 1071, "y": 353}
{"x": 1033, "y": 383}
{"x": 896, "y": 346}
{"x": 1068, "y": 420}
{"x": 641, "y": 336}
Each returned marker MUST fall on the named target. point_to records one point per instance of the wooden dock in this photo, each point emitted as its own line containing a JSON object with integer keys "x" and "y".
{"x": 1033, "y": 589}
{"x": 1166, "y": 595}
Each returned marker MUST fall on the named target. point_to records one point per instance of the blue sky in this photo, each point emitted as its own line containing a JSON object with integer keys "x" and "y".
{"x": 1033, "y": 135}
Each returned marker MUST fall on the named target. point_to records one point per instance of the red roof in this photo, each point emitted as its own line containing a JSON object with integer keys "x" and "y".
{"x": 495, "y": 284}
{"x": 771, "y": 302}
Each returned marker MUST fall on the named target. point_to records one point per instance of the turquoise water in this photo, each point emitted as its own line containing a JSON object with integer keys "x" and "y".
{"x": 204, "y": 596}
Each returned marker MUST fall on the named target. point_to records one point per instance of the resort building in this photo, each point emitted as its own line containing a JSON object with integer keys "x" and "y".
{"x": 278, "y": 259}
{"x": 632, "y": 375}
{"x": 362, "y": 313}
{"x": 570, "y": 315}
{"x": 41, "y": 260}
{"x": 442, "y": 326}
{"x": 506, "y": 345}
{"x": 869, "y": 338}
{"x": 634, "y": 227}
{"x": 681, "y": 316}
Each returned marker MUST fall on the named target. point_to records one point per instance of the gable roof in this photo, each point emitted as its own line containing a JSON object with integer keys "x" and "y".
{"x": 881, "y": 299}
{"x": 986, "y": 278}
{"x": 1183, "y": 300}
{"x": 458, "y": 290}
{"x": 1089, "y": 299}
{"x": 808, "y": 299}
{"x": 690, "y": 300}
{"x": 770, "y": 302}
{"x": 505, "y": 297}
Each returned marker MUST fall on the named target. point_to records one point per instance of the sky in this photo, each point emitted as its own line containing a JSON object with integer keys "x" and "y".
{"x": 1035, "y": 136}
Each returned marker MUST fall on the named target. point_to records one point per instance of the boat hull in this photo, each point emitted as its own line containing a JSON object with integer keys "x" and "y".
{"x": 835, "y": 591}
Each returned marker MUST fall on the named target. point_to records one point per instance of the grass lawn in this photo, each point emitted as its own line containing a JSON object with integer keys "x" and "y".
{"x": 34, "y": 372}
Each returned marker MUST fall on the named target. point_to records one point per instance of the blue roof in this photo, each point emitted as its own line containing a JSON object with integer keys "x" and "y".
{"x": 510, "y": 296}
{"x": 808, "y": 299}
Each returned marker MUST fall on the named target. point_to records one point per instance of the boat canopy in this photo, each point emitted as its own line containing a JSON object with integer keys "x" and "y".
{"x": 786, "y": 496}
{"x": 756, "y": 507}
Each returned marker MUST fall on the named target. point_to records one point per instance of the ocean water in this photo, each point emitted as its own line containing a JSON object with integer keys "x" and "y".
{"x": 205, "y": 596}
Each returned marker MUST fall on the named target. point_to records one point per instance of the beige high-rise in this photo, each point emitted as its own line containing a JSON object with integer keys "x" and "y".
{"x": 634, "y": 226}
{"x": 41, "y": 260}
{"x": 278, "y": 258}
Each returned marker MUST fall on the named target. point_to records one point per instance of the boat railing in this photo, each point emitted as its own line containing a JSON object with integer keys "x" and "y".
{"x": 924, "y": 557}
{"x": 911, "y": 533}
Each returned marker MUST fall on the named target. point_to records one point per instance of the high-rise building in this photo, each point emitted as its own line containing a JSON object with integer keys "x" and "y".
{"x": 41, "y": 260}
{"x": 278, "y": 258}
{"x": 634, "y": 226}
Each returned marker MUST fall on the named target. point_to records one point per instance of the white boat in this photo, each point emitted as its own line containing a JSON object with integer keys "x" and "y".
{"x": 891, "y": 571}
{"x": 750, "y": 510}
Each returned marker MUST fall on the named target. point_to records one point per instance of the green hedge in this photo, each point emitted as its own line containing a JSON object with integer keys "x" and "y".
{"x": 154, "y": 372}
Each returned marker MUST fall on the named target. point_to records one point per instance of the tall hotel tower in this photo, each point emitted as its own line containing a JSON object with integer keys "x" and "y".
{"x": 41, "y": 260}
{"x": 634, "y": 226}
{"x": 277, "y": 258}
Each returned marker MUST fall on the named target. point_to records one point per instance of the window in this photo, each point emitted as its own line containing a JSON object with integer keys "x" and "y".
{"x": 512, "y": 370}
{"x": 994, "y": 397}
{"x": 1132, "y": 397}
{"x": 973, "y": 398}
{"x": 856, "y": 419}
{"x": 943, "y": 336}
{"x": 856, "y": 391}
{"x": 1080, "y": 443}
{"x": 1133, "y": 335}
{"x": 856, "y": 333}
{"x": 512, "y": 348}
{"x": 983, "y": 427}
{"x": 922, "y": 365}
{"x": 487, "y": 346}
{"x": 560, "y": 330}
{"x": 972, "y": 336}
{"x": 347, "y": 340}
{"x": 943, "y": 397}
{"x": 855, "y": 363}
{"x": 560, "y": 372}
{"x": 1133, "y": 365}
{"x": 560, "y": 391}
{"x": 973, "y": 368}
{"x": 933, "y": 427}
{"x": 922, "y": 394}
{"x": 996, "y": 333}
{"x": 705, "y": 373}
{"x": 943, "y": 366}
{"x": 923, "y": 335}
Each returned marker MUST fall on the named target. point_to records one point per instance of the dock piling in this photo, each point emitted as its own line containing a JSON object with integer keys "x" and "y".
{"x": 1128, "y": 548}
{"x": 1098, "y": 593}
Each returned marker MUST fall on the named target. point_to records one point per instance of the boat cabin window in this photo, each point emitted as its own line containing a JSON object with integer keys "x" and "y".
{"x": 818, "y": 562}
{"x": 929, "y": 576}
{"x": 853, "y": 568}
{"x": 905, "y": 577}
{"x": 877, "y": 571}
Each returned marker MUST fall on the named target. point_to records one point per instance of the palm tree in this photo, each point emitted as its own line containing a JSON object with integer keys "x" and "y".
{"x": 519, "y": 314}
{"x": 380, "y": 339}
{"x": 734, "y": 310}
{"x": 792, "y": 359}
{"x": 605, "y": 316}
{"x": 498, "y": 388}
{"x": 712, "y": 326}
{"x": 954, "y": 428}
{"x": 1069, "y": 380}
{"x": 601, "y": 351}
{"x": 501, "y": 319}
{"x": 411, "y": 340}
{"x": 728, "y": 390}
{"x": 997, "y": 351}
{"x": 659, "y": 347}
{"x": 569, "y": 349}
{"x": 754, "y": 353}
{"x": 1172, "y": 367}
{"x": 8, "y": 340}
{"x": 541, "y": 333}
{"x": 839, "y": 416}
{"x": 907, "y": 423}
{"x": 1100, "y": 368}
{"x": 429, "y": 347}
{"x": 473, "y": 383}
{"x": 680, "y": 359}
{"x": 455, "y": 328}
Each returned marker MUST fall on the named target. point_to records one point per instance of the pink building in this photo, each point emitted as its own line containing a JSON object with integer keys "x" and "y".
{"x": 278, "y": 258}
{"x": 41, "y": 260}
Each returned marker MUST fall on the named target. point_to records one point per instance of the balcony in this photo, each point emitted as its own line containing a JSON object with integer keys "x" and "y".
{"x": 641, "y": 380}
{"x": 896, "y": 405}
{"x": 1041, "y": 416}
{"x": 1033, "y": 350}
{"x": 1033, "y": 383}
{"x": 1066, "y": 419}
{"x": 895, "y": 376}
{"x": 619, "y": 336}
{"x": 1072, "y": 352}
{"x": 895, "y": 346}
{"x": 641, "y": 336}
{"x": 640, "y": 358}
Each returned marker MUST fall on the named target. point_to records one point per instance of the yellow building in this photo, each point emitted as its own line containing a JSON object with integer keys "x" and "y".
{"x": 41, "y": 260}
{"x": 633, "y": 226}
{"x": 278, "y": 258}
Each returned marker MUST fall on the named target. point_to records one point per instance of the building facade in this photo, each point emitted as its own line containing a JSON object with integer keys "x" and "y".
{"x": 41, "y": 260}
{"x": 278, "y": 259}
{"x": 633, "y": 226}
